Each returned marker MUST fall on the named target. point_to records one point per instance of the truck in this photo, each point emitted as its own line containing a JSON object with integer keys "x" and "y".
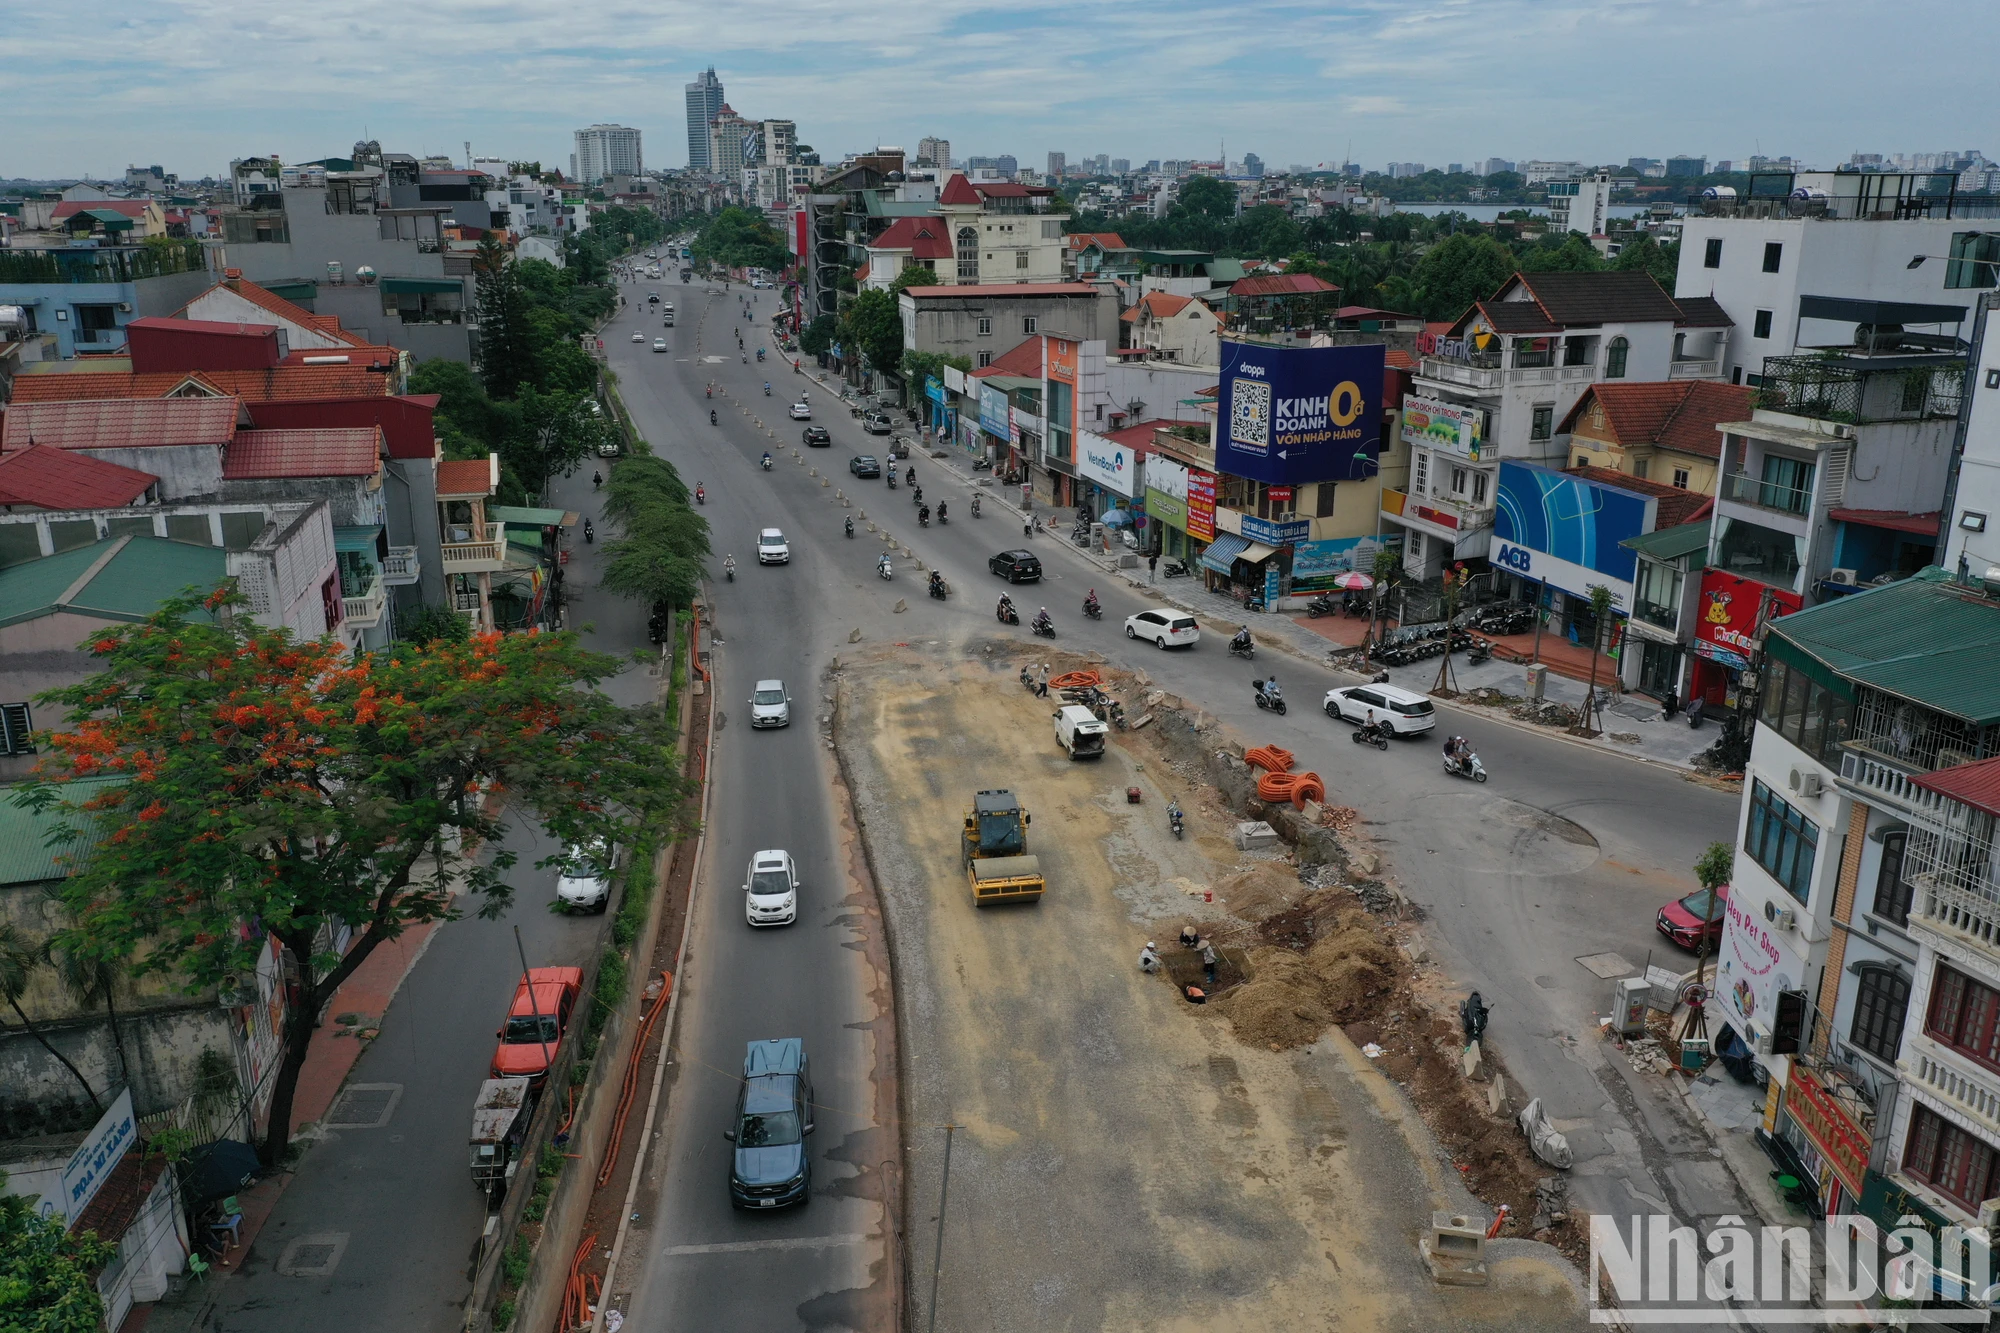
{"x": 1079, "y": 731}
{"x": 997, "y": 864}
{"x": 499, "y": 1125}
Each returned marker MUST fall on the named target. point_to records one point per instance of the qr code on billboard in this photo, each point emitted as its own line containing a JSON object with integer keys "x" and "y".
{"x": 1250, "y": 414}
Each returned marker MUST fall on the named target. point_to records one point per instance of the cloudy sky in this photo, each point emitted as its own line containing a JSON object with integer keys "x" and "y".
{"x": 190, "y": 84}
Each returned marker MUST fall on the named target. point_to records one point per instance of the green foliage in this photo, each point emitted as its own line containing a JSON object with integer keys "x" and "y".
{"x": 872, "y": 323}
{"x": 740, "y": 238}
{"x": 503, "y": 1315}
{"x": 818, "y": 336}
{"x": 430, "y": 622}
{"x": 47, "y": 1276}
{"x": 913, "y": 275}
{"x": 917, "y": 366}
{"x": 612, "y": 974}
{"x": 514, "y": 1264}
{"x": 506, "y": 348}
{"x": 550, "y": 1163}
{"x": 1715, "y": 865}
{"x": 659, "y": 558}
{"x": 286, "y": 783}
{"x": 1207, "y": 197}
{"x": 1649, "y": 256}
{"x": 1571, "y": 253}
{"x": 1457, "y": 271}
{"x": 1312, "y": 266}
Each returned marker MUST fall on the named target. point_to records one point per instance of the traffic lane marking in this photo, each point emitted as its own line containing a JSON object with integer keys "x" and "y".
{"x": 783, "y": 1243}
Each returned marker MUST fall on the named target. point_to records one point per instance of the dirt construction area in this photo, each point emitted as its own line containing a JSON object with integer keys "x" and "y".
{"x": 1123, "y": 1158}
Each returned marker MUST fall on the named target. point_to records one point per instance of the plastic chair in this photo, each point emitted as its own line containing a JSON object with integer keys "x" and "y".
{"x": 197, "y": 1266}
{"x": 229, "y": 1218}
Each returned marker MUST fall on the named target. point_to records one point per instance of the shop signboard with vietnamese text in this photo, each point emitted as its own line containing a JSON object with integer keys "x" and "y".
{"x": 1581, "y": 524}
{"x": 1574, "y": 579}
{"x": 1752, "y": 966}
{"x": 1432, "y": 423}
{"x": 101, "y": 1150}
{"x": 1276, "y": 534}
{"x": 1842, "y": 1143}
{"x": 1169, "y": 509}
{"x": 1295, "y": 414}
{"x": 993, "y": 411}
{"x": 1725, "y": 623}
{"x": 934, "y": 389}
{"x": 1316, "y": 564}
{"x": 1167, "y": 477}
{"x": 1110, "y": 465}
{"x": 1201, "y": 505}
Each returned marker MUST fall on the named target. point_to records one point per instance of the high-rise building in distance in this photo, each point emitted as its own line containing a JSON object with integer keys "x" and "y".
{"x": 1058, "y": 163}
{"x": 607, "y": 150}
{"x": 935, "y": 151}
{"x": 704, "y": 103}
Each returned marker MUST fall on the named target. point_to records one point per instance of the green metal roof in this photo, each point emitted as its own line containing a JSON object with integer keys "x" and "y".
{"x": 25, "y": 854}
{"x": 1670, "y": 543}
{"x": 1922, "y": 639}
{"x": 362, "y": 538}
{"x": 299, "y": 290}
{"x": 135, "y": 576}
{"x": 1225, "y": 270}
{"x": 534, "y": 518}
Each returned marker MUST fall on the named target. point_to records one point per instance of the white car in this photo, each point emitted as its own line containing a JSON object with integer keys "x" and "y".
{"x": 772, "y": 549}
{"x": 1404, "y": 712}
{"x": 802, "y": 411}
{"x": 770, "y": 706}
{"x": 771, "y": 890}
{"x": 583, "y": 882}
{"x": 638, "y": 337}
{"x": 659, "y": 344}
{"x": 1164, "y": 628}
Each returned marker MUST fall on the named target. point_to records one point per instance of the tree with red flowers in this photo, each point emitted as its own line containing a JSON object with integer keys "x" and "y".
{"x": 278, "y": 785}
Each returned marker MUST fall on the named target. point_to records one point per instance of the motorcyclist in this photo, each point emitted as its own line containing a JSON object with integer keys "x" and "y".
{"x": 1241, "y": 640}
{"x": 1369, "y": 726}
{"x": 924, "y": 515}
{"x": 975, "y": 506}
{"x": 767, "y": 388}
{"x": 1090, "y": 606}
{"x": 1456, "y": 748}
{"x": 850, "y": 527}
{"x": 589, "y": 532}
{"x": 882, "y": 562}
{"x": 729, "y": 565}
{"x": 1271, "y": 690}
{"x": 713, "y": 420}
{"x": 1042, "y": 620}
{"x": 700, "y": 495}
{"x": 596, "y": 480}
{"x": 937, "y": 580}
{"x": 940, "y": 511}
{"x": 912, "y": 471}
{"x": 1174, "y": 815}
{"x": 766, "y": 460}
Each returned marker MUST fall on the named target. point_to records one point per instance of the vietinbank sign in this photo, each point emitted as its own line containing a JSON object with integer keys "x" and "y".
{"x": 1111, "y": 466}
{"x": 1299, "y": 414}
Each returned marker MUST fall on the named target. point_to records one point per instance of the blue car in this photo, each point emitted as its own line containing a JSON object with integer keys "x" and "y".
{"x": 771, "y": 1167}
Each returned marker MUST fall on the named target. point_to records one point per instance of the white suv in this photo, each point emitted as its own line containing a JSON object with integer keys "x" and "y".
{"x": 583, "y": 882}
{"x": 1404, "y": 712}
{"x": 772, "y": 548}
{"x": 771, "y": 890}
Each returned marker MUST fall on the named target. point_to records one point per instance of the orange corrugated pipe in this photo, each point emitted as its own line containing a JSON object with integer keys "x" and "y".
{"x": 1272, "y": 757}
{"x": 630, "y": 1086}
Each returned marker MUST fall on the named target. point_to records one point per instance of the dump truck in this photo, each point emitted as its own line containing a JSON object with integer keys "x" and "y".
{"x": 997, "y": 864}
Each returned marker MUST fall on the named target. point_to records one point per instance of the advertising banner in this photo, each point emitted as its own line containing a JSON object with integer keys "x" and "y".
{"x": 1752, "y": 967}
{"x": 1167, "y": 477}
{"x": 1576, "y": 521}
{"x": 1443, "y": 426}
{"x": 1842, "y": 1143}
{"x": 1316, "y": 564}
{"x": 1062, "y": 361}
{"x": 92, "y": 1162}
{"x": 934, "y": 389}
{"x": 1293, "y": 414}
{"x": 1276, "y": 534}
{"x": 1201, "y": 505}
{"x": 1571, "y": 578}
{"x": 1111, "y": 466}
{"x": 1726, "y": 616}
{"x": 1169, "y": 509}
{"x": 993, "y": 411}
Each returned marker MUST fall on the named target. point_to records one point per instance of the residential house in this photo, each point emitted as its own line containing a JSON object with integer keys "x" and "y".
{"x": 1494, "y": 383}
{"x": 1971, "y": 535}
{"x": 120, "y": 221}
{"x": 1166, "y": 327}
{"x": 78, "y": 301}
{"x": 1002, "y": 232}
{"x": 922, "y": 242}
{"x": 1100, "y": 254}
{"x": 1664, "y": 620}
{"x": 988, "y": 320}
{"x": 1267, "y": 305}
{"x": 1663, "y": 432}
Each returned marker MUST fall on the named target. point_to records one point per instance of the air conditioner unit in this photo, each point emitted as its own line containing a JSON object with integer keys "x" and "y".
{"x": 1847, "y": 576}
{"x": 1785, "y": 919}
{"x": 1763, "y": 1043}
{"x": 1842, "y": 431}
{"x": 124, "y": 307}
{"x": 1805, "y": 782}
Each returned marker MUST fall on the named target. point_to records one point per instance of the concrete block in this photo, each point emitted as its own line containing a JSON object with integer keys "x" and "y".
{"x": 1447, "y": 1272}
{"x": 1254, "y": 835}
{"x": 1468, "y": 1060}
{"x": 900, "y": 606}
{"x": 854, "y": 636}
{"x": 1455, "y": 1250}
{"x": 1496, "y": 1095}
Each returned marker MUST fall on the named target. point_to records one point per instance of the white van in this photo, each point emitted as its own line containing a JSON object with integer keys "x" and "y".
{"x": 1079, "y": 732}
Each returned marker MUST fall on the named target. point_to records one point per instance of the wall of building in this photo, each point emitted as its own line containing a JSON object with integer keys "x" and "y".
{"x": 951, "y": 325}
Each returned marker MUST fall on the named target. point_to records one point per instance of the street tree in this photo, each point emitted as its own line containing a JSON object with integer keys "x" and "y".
{"x": 506, "y": 343}
{"x": 1601, "y": 598}
{"x": 272, "y": 785}
{"x": 873, "y": 323}
{"x": 1459, "y": 270}
{"x": 48, "y": 1274}
{"x": 818, "y": 336}
{"x": 557, "y": 430}
{"x": 1649, "y": 256}
{"x": 659, "y": 558}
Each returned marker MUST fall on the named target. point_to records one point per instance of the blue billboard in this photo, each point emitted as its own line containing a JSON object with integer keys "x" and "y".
{"x": 992, "y": 411}
{"x": 1299, "y": 414}
{"x": 1578, "y": 522}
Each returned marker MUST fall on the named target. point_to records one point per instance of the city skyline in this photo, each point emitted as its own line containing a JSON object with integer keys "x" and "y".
{"x": 1290, "y": 86}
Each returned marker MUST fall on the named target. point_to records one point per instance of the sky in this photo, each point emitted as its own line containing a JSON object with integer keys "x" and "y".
{"x": 190, "y": 84}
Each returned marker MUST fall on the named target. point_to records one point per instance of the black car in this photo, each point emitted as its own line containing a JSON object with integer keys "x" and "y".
{"x": 817, "y": 438}
{"x": 864, "y": 465}
{"x": 1017, "y": 566}
{"x": 771, "y": 1167}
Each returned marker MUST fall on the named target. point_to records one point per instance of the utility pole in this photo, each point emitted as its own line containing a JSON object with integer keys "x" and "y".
{"x": 534, "y": 1005}
{"x": 937, "y": 1259}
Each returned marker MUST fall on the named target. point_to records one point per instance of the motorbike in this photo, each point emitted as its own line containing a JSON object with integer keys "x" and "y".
{"x": 937, "y": 587}
{"x": 975, "y": 506}
{"x": 1044, "y": 627}
{"x": 892, "y": 480}
{"x": 1246, "y": 651}
{"x": 713, "y": 420}
{"x": 850, "y": 527}
{"x": 1274, "y": 702}
{"x": 1322, "y": 605}
{"x": 1694, "y": 712}
{"x": 1375, "y": 736}
{"x": 760, "y": 354}
{"x": 1175, "y": 820}
{"x": 1176, "y": 569}
{"x": 767, "y": 391}
{"x": 1253, "y": 604}
{"x": 981, "y": 464}
{"x": 916, "y": 494}
{"x": 884, "y": 568}
{"x": 1468, "y": 767}
{"x": 941, "y": 518}
{"x": 924, "y": 517}
{"x": 1472, "y": 1015}
{"x": 700, "y": 496}
{"x": 729, "y": 570}
{"x": 1481, "y": 651}
{"x": 589, "y": 533}
{"x": 1093, "y": 611}
{"x": 765, "y": 462}
{"x": 1027, "y": 678}
{"x": 1006, "y": 614}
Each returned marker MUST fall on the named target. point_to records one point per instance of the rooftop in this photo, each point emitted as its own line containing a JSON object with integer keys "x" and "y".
{"x": 120, "y": 423}
{"x": 1676, "y": 507}
{"x": 46, "y": 477}
{"x": 1976, "y": 784}
{"x": 999, "y": 289}
{"x": 1671, "y": 543}
{"x": 1282, "y": 284}
{"x": 125, "y": 578}
{"x": 25, "y": 854}
{"x": 330, "y": 451}
{"x": 1552, "y": 302}
{"x": 466, "y": 477}
{"x": 287, "y": 380}
{"x": 1679, "y": 414}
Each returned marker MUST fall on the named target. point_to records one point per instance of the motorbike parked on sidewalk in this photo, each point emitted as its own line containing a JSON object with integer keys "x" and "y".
{"x": 1322, "y": 605}
{"x": 1176, "y": 569}
{"x": 1267, "y": 698}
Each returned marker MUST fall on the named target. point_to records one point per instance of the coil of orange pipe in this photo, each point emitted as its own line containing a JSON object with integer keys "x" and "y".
{"x": 1076, "y": 680}
{"x": 1269, "y": 757}
{"x": 1298, "y": 788}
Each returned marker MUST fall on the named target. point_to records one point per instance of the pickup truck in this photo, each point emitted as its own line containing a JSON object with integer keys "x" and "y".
{"x": 1079, "y": 732}
{"x": 537, "y": 1020}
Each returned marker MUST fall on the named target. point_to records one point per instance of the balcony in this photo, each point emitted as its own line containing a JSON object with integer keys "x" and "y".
{"x": 1941, "y": 1073}
{"x": 1960, "y": 904}
{"x": 470, "y": 549}
{"x": 365, "y": 611}
{"x": 401, "y": 567}
{"x": 1886, "y": 784}
{"x": 1664, "y": 617}
{"x": 1461, "y": 373}
{"x": 1746, "y": 489}
{"x": 1695, "y": 370}
{"x": 1584, "y": 372}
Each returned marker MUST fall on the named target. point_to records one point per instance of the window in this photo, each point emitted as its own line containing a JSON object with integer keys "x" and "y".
{"x": 985, "y": 360}
{"x": 985, "y": 327}
{"x": 1421, "y": 474}
{"x": 1711, "y": 255}
{"x": 1962, "y": 1016}
{"x": 1458, "y": 481}
{"x": 1760, "y": 327}
{"x": 1773, "y": 252}
{"x": 1975, "y": 260}
{"x": 1881, "y": 1000}
{"x": 1479, "y": 488}
{"x": 968, "y": 255}
{"x": 1028, "y": 324}
{"x": 1781, "y": 840}
{"x": 1893, "y": 893}
{"x": 1323, "y": 500}
{"x": 1614, "y": 359}
{"x": 16, "y": 730}
{"x": 1020, "y": 259}
{"x": 1804, "y": 712}
{"x": 1680, "y": 478}
{"x": 1052, "y": 231}
{"x": 1786, "y": 483}
{"x": 1542, "y": 422}
{"x": 1416, "y": 544}
{"x": 1639, "y": 466}
{"x": 1736, "y": 374}
{"x": 1949, "y": 1159}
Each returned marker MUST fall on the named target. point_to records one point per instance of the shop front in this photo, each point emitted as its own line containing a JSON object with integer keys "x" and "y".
{"x": 1820, "y": 1118}
{"x": 1757, "y": 969}
{"x": 1109, "y": 475}
{"x": 1731, "y": 614}
{"x": 1167, "y": 508}
{"x": 941, "y": 417}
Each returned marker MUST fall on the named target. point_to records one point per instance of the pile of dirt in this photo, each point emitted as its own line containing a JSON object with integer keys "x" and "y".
{"x": 1259, "y": 891}
{"x": 1281, "y": 1008}
{"x": 1293, "y": 996}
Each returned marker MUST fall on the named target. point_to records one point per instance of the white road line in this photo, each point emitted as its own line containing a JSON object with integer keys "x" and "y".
{"x": 752, "y": 1246}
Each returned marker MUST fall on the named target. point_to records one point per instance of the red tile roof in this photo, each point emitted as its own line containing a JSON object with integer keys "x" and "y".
{"x": 1676, "y": 506}
{"x": 223, "y": 328}
{"x": 465, "y": 476}
{"x": 50, "y": 478}
{"x": 1397, "y": 359}
{"x": 408, "y": 426}
{"x": 337, "y": 451}
{"x": 1281, "y": 284}
{"x": 1680, "y": 415}
{"x": 120, "y": 423}
{"x": 1894, "y": 520}
{"x": 924, "y": 238}
{"x": 1139, "y": 438}
{"x": 354, "y": 354}
{"x": 1109, "y": 240}
{"x": 1162, "y": 305}
{"x": 1024, "y": 358}
{"x": 124, "y": 1192}
{"x": 1976, "y": 784}
{"x": 999, "y": 289}
{"x": 282, "y": 381}
{"x": 958, "y": 190}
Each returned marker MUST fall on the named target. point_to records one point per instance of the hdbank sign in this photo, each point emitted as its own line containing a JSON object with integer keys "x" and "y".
{"x": 1298, "y": 414}
{"x": 1111, "y": 466}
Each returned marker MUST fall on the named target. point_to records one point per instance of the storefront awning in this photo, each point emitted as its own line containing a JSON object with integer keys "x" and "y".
{"x": 534, "y": 518}
{"x": 1222, "y": 552}
{"x": 1257, "y": 551}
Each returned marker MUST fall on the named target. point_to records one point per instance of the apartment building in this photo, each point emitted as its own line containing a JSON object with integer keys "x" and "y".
{"x": 1001, "y": 232}
{"x": 608, "y": 150}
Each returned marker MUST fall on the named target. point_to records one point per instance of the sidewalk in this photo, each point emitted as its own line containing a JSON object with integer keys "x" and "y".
{"x": 1634, "y": 718}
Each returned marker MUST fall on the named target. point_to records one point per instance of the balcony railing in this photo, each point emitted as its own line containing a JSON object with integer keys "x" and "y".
{"x": 1583, "y": 372}
{"x": 1746, "y": 489}
{"x": 1948, "y": 1082}
{"x": 1694, "y": 370}
{"x": 365, "y": 611}
{"x": 1666, "y": 617}
{"x": 1958, "y": 902}
{"x": 1458, "y": 372}
{"x": 485, "y": 550}
{"x": 401, "y": 566}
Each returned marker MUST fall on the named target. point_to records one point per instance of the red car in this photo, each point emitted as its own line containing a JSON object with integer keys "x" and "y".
{"x": 543, "y": 1003}
{"x": 1682, "y": 920}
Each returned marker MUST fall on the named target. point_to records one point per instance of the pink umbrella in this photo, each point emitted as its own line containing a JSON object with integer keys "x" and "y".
{"x": 1354, "y": 582}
